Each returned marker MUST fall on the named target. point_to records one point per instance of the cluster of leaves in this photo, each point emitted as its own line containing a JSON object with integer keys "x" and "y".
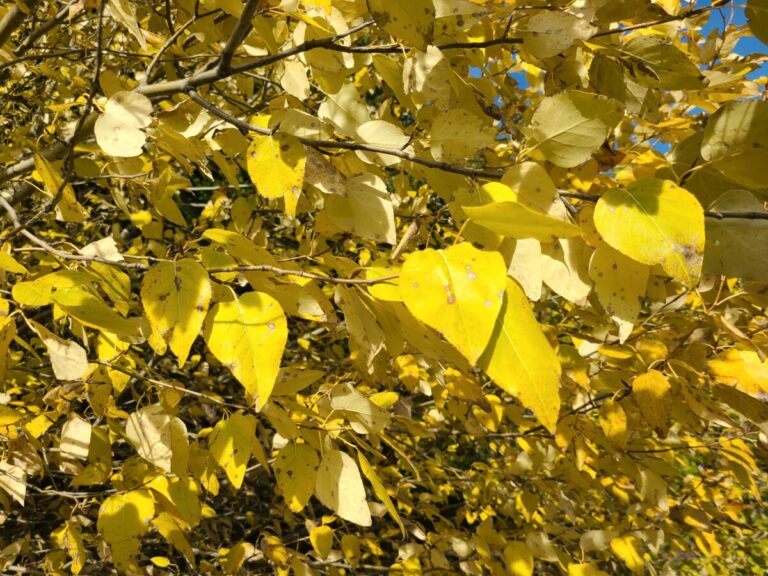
{"x": 360, "y": 286}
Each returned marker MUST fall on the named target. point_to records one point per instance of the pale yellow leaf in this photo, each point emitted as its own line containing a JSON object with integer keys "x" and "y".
{"x": 230, "y": 445}
{"x": 340, "y": 487}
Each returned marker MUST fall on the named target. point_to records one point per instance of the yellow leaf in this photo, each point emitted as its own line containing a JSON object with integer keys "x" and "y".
{"x": 9, "y": 264}
{"x": 518, "y": 558}
{"x": 13, "y": 480}
{"x": 613, "y": 421}
{"x": 365, "y": 210}
{"x": 160, "y": 561}
{"x": 68, "y": 208}
{"x": 516, "y": 220}
{"x": 620, "y": 282}
{"x": 655, "y": 222}
{"x": 411, "y": 21}
{"x": 276, "y": 166}
{"x": 569, "y": 127}
{"x": 68, "y": 537}
{"x": 458, "y": 134}
{"x": 340, "y": 487}
{"x": 295, "y": 471}
{"x": 548, "y": 33}
{"x": 91, "y": 311}
{"x": 651, "y": 392}
{"x": 248, "y": 336}
{"x": 321, "y": 538}
{"x": 520, "y": 360}
{"x": 171, "y": 529}
{"x": 379, "y": 489}
{"x": 176, "y": 296}
{"x": 458, "y": 292}
{"x": 708, "y": 544}
{"x": 119, "y": 131}
{"x": 68, "y": 359}
{"x": 75, "y": 437}
{"x": 230, "y": 445}
{"x": 37, "y": 292}
{"x": 627, "y": 549}
{"x": 123, "y": 520}
{"x": 364, "y": 416}
{"x": 237, "y": 555}
{"x": 584, "y": 570}
{"x": 159, "y": 438}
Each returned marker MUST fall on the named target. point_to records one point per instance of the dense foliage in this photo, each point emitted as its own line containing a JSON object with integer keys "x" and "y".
{"x": 369, "y": 286}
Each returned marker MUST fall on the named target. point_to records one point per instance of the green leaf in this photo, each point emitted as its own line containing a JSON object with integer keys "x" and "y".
{"x": 296, "y": 468}
{"x": 230, "y": 445}
{"x": 757, "y": 19}
{"x": 458, "y": 292}
{"x": 176, "y": 296}
{"x": 248, "y": 336}
{"x": 655, "y": 222}
{"x": 659, "y": 64}
{"x": 736, "y": 142}
{"x": 520, "y": 360}
{"x": 123, "y": 520}
{"x": 340, "y": 487}
{"x": 569, "y": 127}
{"x": 737, "y": 247}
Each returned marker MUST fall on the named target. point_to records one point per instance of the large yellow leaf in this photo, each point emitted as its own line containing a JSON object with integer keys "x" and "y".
{"x": 518, "y": 558}
{"x": 651, "y": 392}
{"x": 520, "y": 360}
{"x": 458, "y": 134}
{"x": 569, "y": 127}
{"x": 172, "y": 529}
{"x": 276, "y": 166}
{"x": 548, "y": 33}
{"x": 365, "y": 210}
{"x": 655, "y": 222}
{"x": 340, "y": 487}
{"x": 321, "y": 538}
{"x": 68, "y": 359}
{"x": 411, "y": 21}
{"x": 159, "y": 438}
{"x": 516, "y": 220}
{"x": 295, "y": 471}
{"x": 176, "y": 296}
{"x": 248, "y": 336}
{"x": 123, "y": 520}
{"x": 230, "y": 445}
{"x": 757, "y": 18}
{"x": 613, "y": 421}
{"x": 458, "y": 292}
{"x": 627, "y": 548}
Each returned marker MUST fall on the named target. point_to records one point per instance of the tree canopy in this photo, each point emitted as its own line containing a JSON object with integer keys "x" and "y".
{"x": 383, "y": 286}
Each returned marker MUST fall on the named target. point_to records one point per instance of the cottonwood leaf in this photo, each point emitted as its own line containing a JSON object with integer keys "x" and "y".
{"x": 230, "y": 445}
{"x": 68, "y": 359}
{"x": 660, "y": 64}
{"x": 176, "y": 296}
{"x": 276, "y": 166}
{"x": 321, "y": 538}
{"x": 340, "y": 487}
{"x": 651, "y": 391}
{"x": 296, "y": 469}
{"x": 411, "y": 21}
{"x": 91, "y": 311}
{"x": 757, "y": 18}
{"x": 627, "y": 548}
{"x": 123, "y": 520}
{"x": 248, "y": 336}
{"x": 68, "y": 209}
{"x": 515, "y": 220}
{"x": 520, "y": 360}
{"x": 655, "y": 222}
{"x": 620, "y": 283}
{"x": 458, "y": 292}
{"x": 549, "y": 32}
{"x": 159, "y": 438}
{"x": 569, "y": 127}
{"x": 736, "y": 247}
{"x": 458, "y": 134}
{"x": 172, "y": 529}
{"x": 68, "y": 537}
{"x": 518, "y": 558}
{"x": 736, "y": 140}
{"x": 386, "y": 135}
{"x": 75, "y": 438}
{"x": 366, "y": 210}
{"x": 564, "y": 268}
{"x": 120, "y": 130}
{"x": 613, "y": 421}
{"x": 365, "y": 417}
{"x": 379, "y": 489}
{"x": 13, "y": 481}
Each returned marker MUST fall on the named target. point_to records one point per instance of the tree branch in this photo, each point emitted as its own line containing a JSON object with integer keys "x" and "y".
{"x": 13, "y": 19}
{"x": 346, "y": 145}
{"x": 239, "y": 34}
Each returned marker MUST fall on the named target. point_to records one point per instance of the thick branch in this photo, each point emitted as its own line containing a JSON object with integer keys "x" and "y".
{"x": 239, "y": 34}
